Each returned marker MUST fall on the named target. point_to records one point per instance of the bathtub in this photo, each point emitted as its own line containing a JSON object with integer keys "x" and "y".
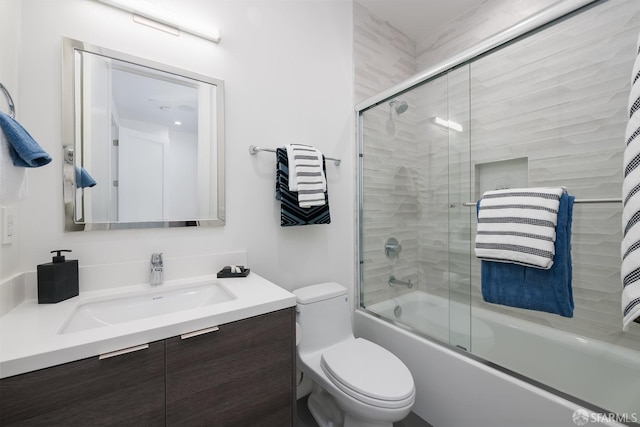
{"x": 456, "y": 389}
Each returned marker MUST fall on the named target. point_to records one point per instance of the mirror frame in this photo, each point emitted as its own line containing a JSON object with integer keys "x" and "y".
{"x": 71, "y": 138}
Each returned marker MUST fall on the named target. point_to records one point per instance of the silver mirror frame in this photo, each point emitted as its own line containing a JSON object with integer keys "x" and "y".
{"x": 69, "y": 139}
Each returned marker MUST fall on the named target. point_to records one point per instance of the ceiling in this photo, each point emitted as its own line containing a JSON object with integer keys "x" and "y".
{"x": 418, "y": 18}
{"x": 146, "y": 95}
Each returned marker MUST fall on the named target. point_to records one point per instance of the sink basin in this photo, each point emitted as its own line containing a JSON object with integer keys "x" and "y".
{"x": 141, "y": 305}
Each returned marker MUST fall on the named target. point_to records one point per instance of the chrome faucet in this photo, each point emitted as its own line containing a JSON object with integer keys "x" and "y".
{"x": 157, "y": 267}
{"x": 393, "y": 282}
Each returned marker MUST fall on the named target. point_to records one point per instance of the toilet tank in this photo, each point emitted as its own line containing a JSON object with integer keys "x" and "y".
{"x": 324, "y": 315}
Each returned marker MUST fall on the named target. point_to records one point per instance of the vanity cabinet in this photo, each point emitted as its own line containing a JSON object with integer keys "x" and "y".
{"x": 239, "y": 375}
{"x": 124, "y": 390}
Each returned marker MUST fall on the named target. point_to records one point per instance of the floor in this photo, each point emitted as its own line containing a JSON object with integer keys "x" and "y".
{"x": 305, "y": 419}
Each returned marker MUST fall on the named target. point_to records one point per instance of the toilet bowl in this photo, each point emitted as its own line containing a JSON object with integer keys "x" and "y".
{"x": 357, "y": 383}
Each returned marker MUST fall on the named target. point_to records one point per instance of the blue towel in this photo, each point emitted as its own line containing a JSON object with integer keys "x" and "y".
{"x": 533, "y": 288}
{"x": 83, "y": 179}
{"x": 25, "y": 152}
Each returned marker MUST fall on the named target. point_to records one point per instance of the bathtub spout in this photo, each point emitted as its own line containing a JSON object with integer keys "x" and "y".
{"x": 393, "y": 282}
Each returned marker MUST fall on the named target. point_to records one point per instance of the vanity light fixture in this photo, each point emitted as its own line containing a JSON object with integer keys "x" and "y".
{"x": 448, "y": 124}
{"x": 153, "y": 16}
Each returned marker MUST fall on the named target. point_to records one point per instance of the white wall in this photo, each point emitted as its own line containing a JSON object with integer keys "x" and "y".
{"x": 9, "y": 53}
{"x": 182, "y": 178}
{"x": 287, "y": 69}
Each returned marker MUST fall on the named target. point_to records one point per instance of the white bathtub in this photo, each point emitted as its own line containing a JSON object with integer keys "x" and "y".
{"x": 456, "y": 390}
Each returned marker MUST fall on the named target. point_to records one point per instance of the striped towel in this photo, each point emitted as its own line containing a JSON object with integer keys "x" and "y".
{"x": 306, "y": 175}
{"x": 518, "y": 226}
{"x": 630, "y": 270}
{"x": 291, "y": 214}
{"x": 534, "y": 288}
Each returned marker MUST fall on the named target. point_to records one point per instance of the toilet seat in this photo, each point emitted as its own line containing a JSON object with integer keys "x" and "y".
{"x": 368, "y": 373}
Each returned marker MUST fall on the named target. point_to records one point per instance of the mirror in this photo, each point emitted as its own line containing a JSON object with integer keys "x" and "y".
{"x": 143, "y": 142}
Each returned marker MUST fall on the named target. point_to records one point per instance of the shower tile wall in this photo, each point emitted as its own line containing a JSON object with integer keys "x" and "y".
{"x": 384, "y": 56}
{"x": 559, "y": 98}
{"x": 485, "y": 19}
{"x": 390, "y": 203}
{"x": 569, "y": 125}
{"x": 433, "y": 195}
{"x": 445, "y": 181}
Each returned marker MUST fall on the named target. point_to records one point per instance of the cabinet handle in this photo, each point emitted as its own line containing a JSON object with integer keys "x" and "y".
{"x": 123, "y": 351}
{"x": 199, "y": 332}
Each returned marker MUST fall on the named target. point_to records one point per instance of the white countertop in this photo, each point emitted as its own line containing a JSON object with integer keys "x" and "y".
{"x": 30, "y": 337}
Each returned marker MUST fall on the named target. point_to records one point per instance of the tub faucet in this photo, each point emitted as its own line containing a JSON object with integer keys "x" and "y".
{"x": 393, "y": 282}
{"x": 157, "y": 267}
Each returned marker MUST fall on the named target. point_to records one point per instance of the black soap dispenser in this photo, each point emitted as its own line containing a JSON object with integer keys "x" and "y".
{"x": 58, "y": 279}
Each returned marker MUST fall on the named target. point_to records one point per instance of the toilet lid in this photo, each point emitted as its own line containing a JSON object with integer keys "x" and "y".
{"x": 369, "y": 370}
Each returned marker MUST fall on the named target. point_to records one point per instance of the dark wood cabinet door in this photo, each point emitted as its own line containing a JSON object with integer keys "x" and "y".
{"x": 125, "y": 390}
{"x": 241, "y": 375}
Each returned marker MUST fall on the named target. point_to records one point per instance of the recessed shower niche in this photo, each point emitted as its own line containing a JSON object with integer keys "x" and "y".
{"x": 502, "y": 174}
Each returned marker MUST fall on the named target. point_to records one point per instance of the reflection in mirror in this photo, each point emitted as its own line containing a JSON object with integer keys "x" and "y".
{"x": 148, "y": 147}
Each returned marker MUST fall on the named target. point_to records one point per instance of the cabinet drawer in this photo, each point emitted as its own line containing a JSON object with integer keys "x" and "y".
{"x": 239, "y": 375}
{"x": 123, "y": 390}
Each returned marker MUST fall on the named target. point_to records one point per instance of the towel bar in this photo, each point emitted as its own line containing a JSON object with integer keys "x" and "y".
{"x": 469, "y": 204}
{"x": 12, "y": 108}
{"x": 253, "y": 149}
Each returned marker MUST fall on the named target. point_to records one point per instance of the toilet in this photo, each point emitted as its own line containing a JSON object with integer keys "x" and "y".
{"x": 357, "y": 383}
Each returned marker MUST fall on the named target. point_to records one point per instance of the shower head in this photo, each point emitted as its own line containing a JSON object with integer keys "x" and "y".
{"x": 399, "y": 106}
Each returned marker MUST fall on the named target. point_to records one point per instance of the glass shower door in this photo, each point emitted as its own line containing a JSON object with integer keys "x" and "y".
{"x": 460, "y": 215}
{"x": 414, "y": 230}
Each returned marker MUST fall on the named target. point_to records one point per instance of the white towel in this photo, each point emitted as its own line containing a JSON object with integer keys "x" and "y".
{"x": 630, "y": 270}
{"x": 13, "y": 179}
{"x": 518, "y": 226}
{"x": 306, "y": 175}
{"x": 293, "y": 182}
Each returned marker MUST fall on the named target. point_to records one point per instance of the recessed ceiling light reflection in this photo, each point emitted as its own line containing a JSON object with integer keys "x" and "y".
{"x": 449, "y": 124}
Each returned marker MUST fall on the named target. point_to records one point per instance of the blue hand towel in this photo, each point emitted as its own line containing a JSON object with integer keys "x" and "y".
{"x": 24, "y": 150}
{"x": 83, "y": 179}
{"x": 533, "y": 288}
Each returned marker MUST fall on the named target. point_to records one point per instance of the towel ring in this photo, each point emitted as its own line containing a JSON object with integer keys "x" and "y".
{"x": 12, "y": 108}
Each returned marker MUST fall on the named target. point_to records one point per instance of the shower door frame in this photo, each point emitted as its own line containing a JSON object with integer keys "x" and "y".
{"x": 522, "y": 29}
{"x": 533, "y": 23}
{"x": 536, "y": 22}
